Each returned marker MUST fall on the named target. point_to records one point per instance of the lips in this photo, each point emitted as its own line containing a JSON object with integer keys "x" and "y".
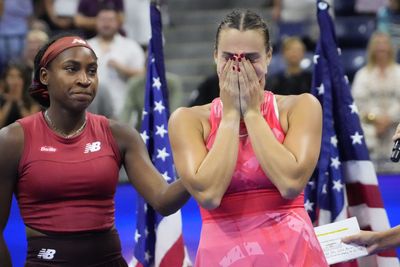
{"x": 82, "y": 96}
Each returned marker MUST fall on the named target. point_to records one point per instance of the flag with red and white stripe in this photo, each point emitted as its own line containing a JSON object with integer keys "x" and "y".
{"x": 158, "y": 239}
{"x": 344, "y": 183}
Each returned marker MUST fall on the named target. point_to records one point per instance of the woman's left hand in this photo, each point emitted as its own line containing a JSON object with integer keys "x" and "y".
{"x": 250, "y": 86}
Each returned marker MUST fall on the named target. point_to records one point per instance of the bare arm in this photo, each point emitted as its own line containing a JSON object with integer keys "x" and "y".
{"x": 84, "y": 22}
{"x": 89, "y": 23}
{"x": 207, "y": 174}
{"x": 11, "y": 140}
{"x": 276, "y": 9}
{"x": 163, "y": 197}
{"x": 60, "y": 22}
{"x": 125, "y": 71}
{"x": 376, "y": 241}
{"x": 4, "y": 112}
{"x": 288, "y": 165}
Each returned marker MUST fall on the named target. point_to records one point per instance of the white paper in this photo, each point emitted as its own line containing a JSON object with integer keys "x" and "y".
{"x": 330, "y": 235}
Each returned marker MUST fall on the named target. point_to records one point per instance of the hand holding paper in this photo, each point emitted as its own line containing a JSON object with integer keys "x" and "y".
{"x": 330, "y": 237}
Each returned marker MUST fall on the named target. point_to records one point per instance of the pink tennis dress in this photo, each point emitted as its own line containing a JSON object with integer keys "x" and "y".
{"x": 254, "y": 226}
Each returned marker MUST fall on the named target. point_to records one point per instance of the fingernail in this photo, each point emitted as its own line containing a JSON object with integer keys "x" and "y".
{"x": 234, "y": 68}
{"x": 241, "y": 55}
{"x": 240, "y": 59}
{"x": 238, "y": 69}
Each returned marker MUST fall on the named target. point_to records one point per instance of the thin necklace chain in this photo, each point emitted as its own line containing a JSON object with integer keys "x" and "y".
{"x": 46, "y": 115}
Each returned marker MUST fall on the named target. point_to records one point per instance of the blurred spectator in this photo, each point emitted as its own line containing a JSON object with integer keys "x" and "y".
{"x": 85, "y": 17}
{"x": 101, "y": 103}
{"x": 294, "y": 10}
{"x": 388, "y": 20}
{"x": 132, "y": 112}
{"x": 15, "y": 101}
{"x": 59, "y": 14}
{"x": 35, "y": 39}
{"x": 377, "y": 95}
{"x": 293, "y": 80}
{"x": 298, "y": 18}
{"x": 137, "y": 21}
{"x": 39, "y": 24}
{"x": 1, "y": 7}
{"x": 13, "y": 28}
{"x": 119, "y": 58}
{"x": 368, "y": 7}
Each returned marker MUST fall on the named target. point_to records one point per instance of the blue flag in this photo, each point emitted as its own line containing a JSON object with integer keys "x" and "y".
{"x": 344, "y": 183}
{"x": 158, "y": 239}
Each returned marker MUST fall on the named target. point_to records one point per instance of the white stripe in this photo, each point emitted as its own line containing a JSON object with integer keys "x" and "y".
{"x": 168, "y": 232}
{"x": 367, "y": 261}
{"x": 374, "y": 217}
{"x": 387, "y": 261}
{"x": 325, "y": 215}
{"x": 378, "y": 261}
{"x": 361, "y": 171}
{"x": 133, "y": 262}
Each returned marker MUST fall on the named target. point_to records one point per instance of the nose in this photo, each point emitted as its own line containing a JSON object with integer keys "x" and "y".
{"x": 84, "y": 79}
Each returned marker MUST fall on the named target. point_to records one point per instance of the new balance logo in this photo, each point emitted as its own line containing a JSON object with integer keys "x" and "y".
{"x": 92, "y": 147}
{"x": 46, "y": 253}
{"x": 80, "y": 41}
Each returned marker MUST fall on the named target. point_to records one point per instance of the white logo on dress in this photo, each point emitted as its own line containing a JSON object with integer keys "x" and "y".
{"x": 48, "y": 149}
{"x": 80, "y": 41}
{"x": 46, "y": 254}
{"x": 92, "y": 147}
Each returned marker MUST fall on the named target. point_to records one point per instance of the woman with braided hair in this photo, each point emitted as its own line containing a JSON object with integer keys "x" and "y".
{"x": 247, "y": 156}
{"x": 63, "y": 164}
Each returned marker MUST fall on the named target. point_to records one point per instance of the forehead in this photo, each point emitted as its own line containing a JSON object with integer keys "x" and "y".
{"x": 107, "y": 14}
{"x": 78, "y": 53}
{"x": 231, "y": 40}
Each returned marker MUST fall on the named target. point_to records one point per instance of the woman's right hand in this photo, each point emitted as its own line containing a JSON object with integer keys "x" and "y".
{"x": 229, "y": 87}
{"x": 397, "y": 133}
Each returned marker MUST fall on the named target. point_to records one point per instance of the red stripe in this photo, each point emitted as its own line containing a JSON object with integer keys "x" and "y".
{"x": 175, "y": 255}
{"x": 352, "y": 263}
{"x": 138, "y": 264}
{"x": 358, "y": 194}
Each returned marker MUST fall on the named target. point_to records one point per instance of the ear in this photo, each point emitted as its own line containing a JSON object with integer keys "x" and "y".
{"x": 269, "y": 56}
{"x": 215, "y": 56}
{"x": 44, "y": 76}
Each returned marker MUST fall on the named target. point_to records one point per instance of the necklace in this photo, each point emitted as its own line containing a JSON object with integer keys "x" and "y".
{"x": 51, "y": 124}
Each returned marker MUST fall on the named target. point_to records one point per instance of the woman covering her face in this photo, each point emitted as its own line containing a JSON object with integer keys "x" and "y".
{"x": 247, "y": 156}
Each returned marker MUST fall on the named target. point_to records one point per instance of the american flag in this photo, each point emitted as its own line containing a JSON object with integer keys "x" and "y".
{"x": 344, "y": 183}
{"x": 159, "y": 240}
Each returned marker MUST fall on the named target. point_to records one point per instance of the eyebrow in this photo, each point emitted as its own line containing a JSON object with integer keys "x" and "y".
{"x": 75, "y": 62}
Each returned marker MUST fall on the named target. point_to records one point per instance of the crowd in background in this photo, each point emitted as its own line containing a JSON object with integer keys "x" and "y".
{"x": 119, "y": 30}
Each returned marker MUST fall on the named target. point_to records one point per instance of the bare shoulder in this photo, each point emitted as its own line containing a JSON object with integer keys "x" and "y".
{"x": 191, "y": 113}
{"x": 305, "y": 102}
{"x": 190, "y": 119}
{"x": 124, "y": 134}
{"x": 12, "y": 141}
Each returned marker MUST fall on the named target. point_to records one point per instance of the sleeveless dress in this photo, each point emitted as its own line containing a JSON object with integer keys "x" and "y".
{"x": 255, "y": 226}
